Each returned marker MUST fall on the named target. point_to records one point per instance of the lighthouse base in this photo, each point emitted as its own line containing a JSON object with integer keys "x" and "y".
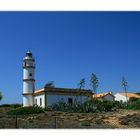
{"x": 28, "y": 100}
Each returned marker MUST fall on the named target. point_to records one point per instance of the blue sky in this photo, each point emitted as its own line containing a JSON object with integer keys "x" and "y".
{"x": 69, "y": 46}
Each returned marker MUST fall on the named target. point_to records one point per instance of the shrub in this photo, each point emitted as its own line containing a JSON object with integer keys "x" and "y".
{"x": 11, "y": 105}
{"x": 25, "y": 110}
{"x": 107, "y": 105}
{"x": 5, "y": 105}
{"x": 86, "y": 107}
{"x": 120, "y": 105}
{"x": 15, "y": 105}
{"x": 133, "y": 99}
{"x": 62, "y": 106}
{"x": 134, "y": 105}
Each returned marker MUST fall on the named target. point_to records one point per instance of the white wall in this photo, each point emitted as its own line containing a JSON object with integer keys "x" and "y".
{"x": 28, "y": 86}
{"x": 27, "y": 100}
{"x": 26, "y": 73}
{"x": 119, "y": 97}
{"x": 109, "y": 98}
{"x": 53, "y": 99}
{"x": 42, "y": 97}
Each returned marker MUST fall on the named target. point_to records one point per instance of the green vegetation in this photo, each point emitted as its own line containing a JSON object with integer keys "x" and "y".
{"x": 89, "y": 106}
{"x": 138, "y": 93}
{"x": 11, "y": 105}
{"x": 133, "y": 99}
{"x": 25, "y": 110}
{"x": 134, "y": 105}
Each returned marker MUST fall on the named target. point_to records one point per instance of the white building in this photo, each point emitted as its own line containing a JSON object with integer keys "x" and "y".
{"x": 125, "y": 97}
{"x": 46, "y": 96}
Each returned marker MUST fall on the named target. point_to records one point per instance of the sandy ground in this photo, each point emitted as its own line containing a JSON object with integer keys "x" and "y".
{"x": 121, "y": 119}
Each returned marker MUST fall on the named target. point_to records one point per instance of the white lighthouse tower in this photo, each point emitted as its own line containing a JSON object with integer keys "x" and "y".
{"x": 28, "y": 79}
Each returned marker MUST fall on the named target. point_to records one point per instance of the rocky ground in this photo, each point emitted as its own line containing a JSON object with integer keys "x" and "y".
{"x": 122, "y": 119}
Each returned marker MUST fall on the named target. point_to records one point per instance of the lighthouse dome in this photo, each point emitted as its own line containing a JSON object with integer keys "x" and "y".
{"x": 28, "y": 56}
{"x": 28, "y": 53}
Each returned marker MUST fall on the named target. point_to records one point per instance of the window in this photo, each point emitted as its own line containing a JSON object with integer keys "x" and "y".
{"x": 70, "y": 100}
{"x": 40, "y": 101}
{"x": 30, "y": 74}
{"x": 35, "y": 101}
{"x": 24, "y": 64}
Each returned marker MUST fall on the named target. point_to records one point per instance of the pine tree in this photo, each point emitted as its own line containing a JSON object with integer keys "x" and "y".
{"x": 81, "y": 85}
{"x": 94, "y": 83}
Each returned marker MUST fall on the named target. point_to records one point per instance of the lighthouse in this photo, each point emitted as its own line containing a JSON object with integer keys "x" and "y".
{"x": 28, "y": 79}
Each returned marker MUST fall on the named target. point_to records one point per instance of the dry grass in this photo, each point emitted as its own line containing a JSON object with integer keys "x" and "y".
{"x": 50, "y": 120}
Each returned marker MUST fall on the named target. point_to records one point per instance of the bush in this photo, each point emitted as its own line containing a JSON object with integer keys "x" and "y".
{"x": 107, "y": 105}
{"x": 86, "y": 107}
{"x": 16, "y": 105}
{"x": 25, "y": 110}
{"x": 11, "y": 105}
{"x": 120, "y": 105}
{"x": 62, "y": 106}
{"x": 5, "y": 105}
{"x": 133, "y": 99}
{"x": 134, "y": 105}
